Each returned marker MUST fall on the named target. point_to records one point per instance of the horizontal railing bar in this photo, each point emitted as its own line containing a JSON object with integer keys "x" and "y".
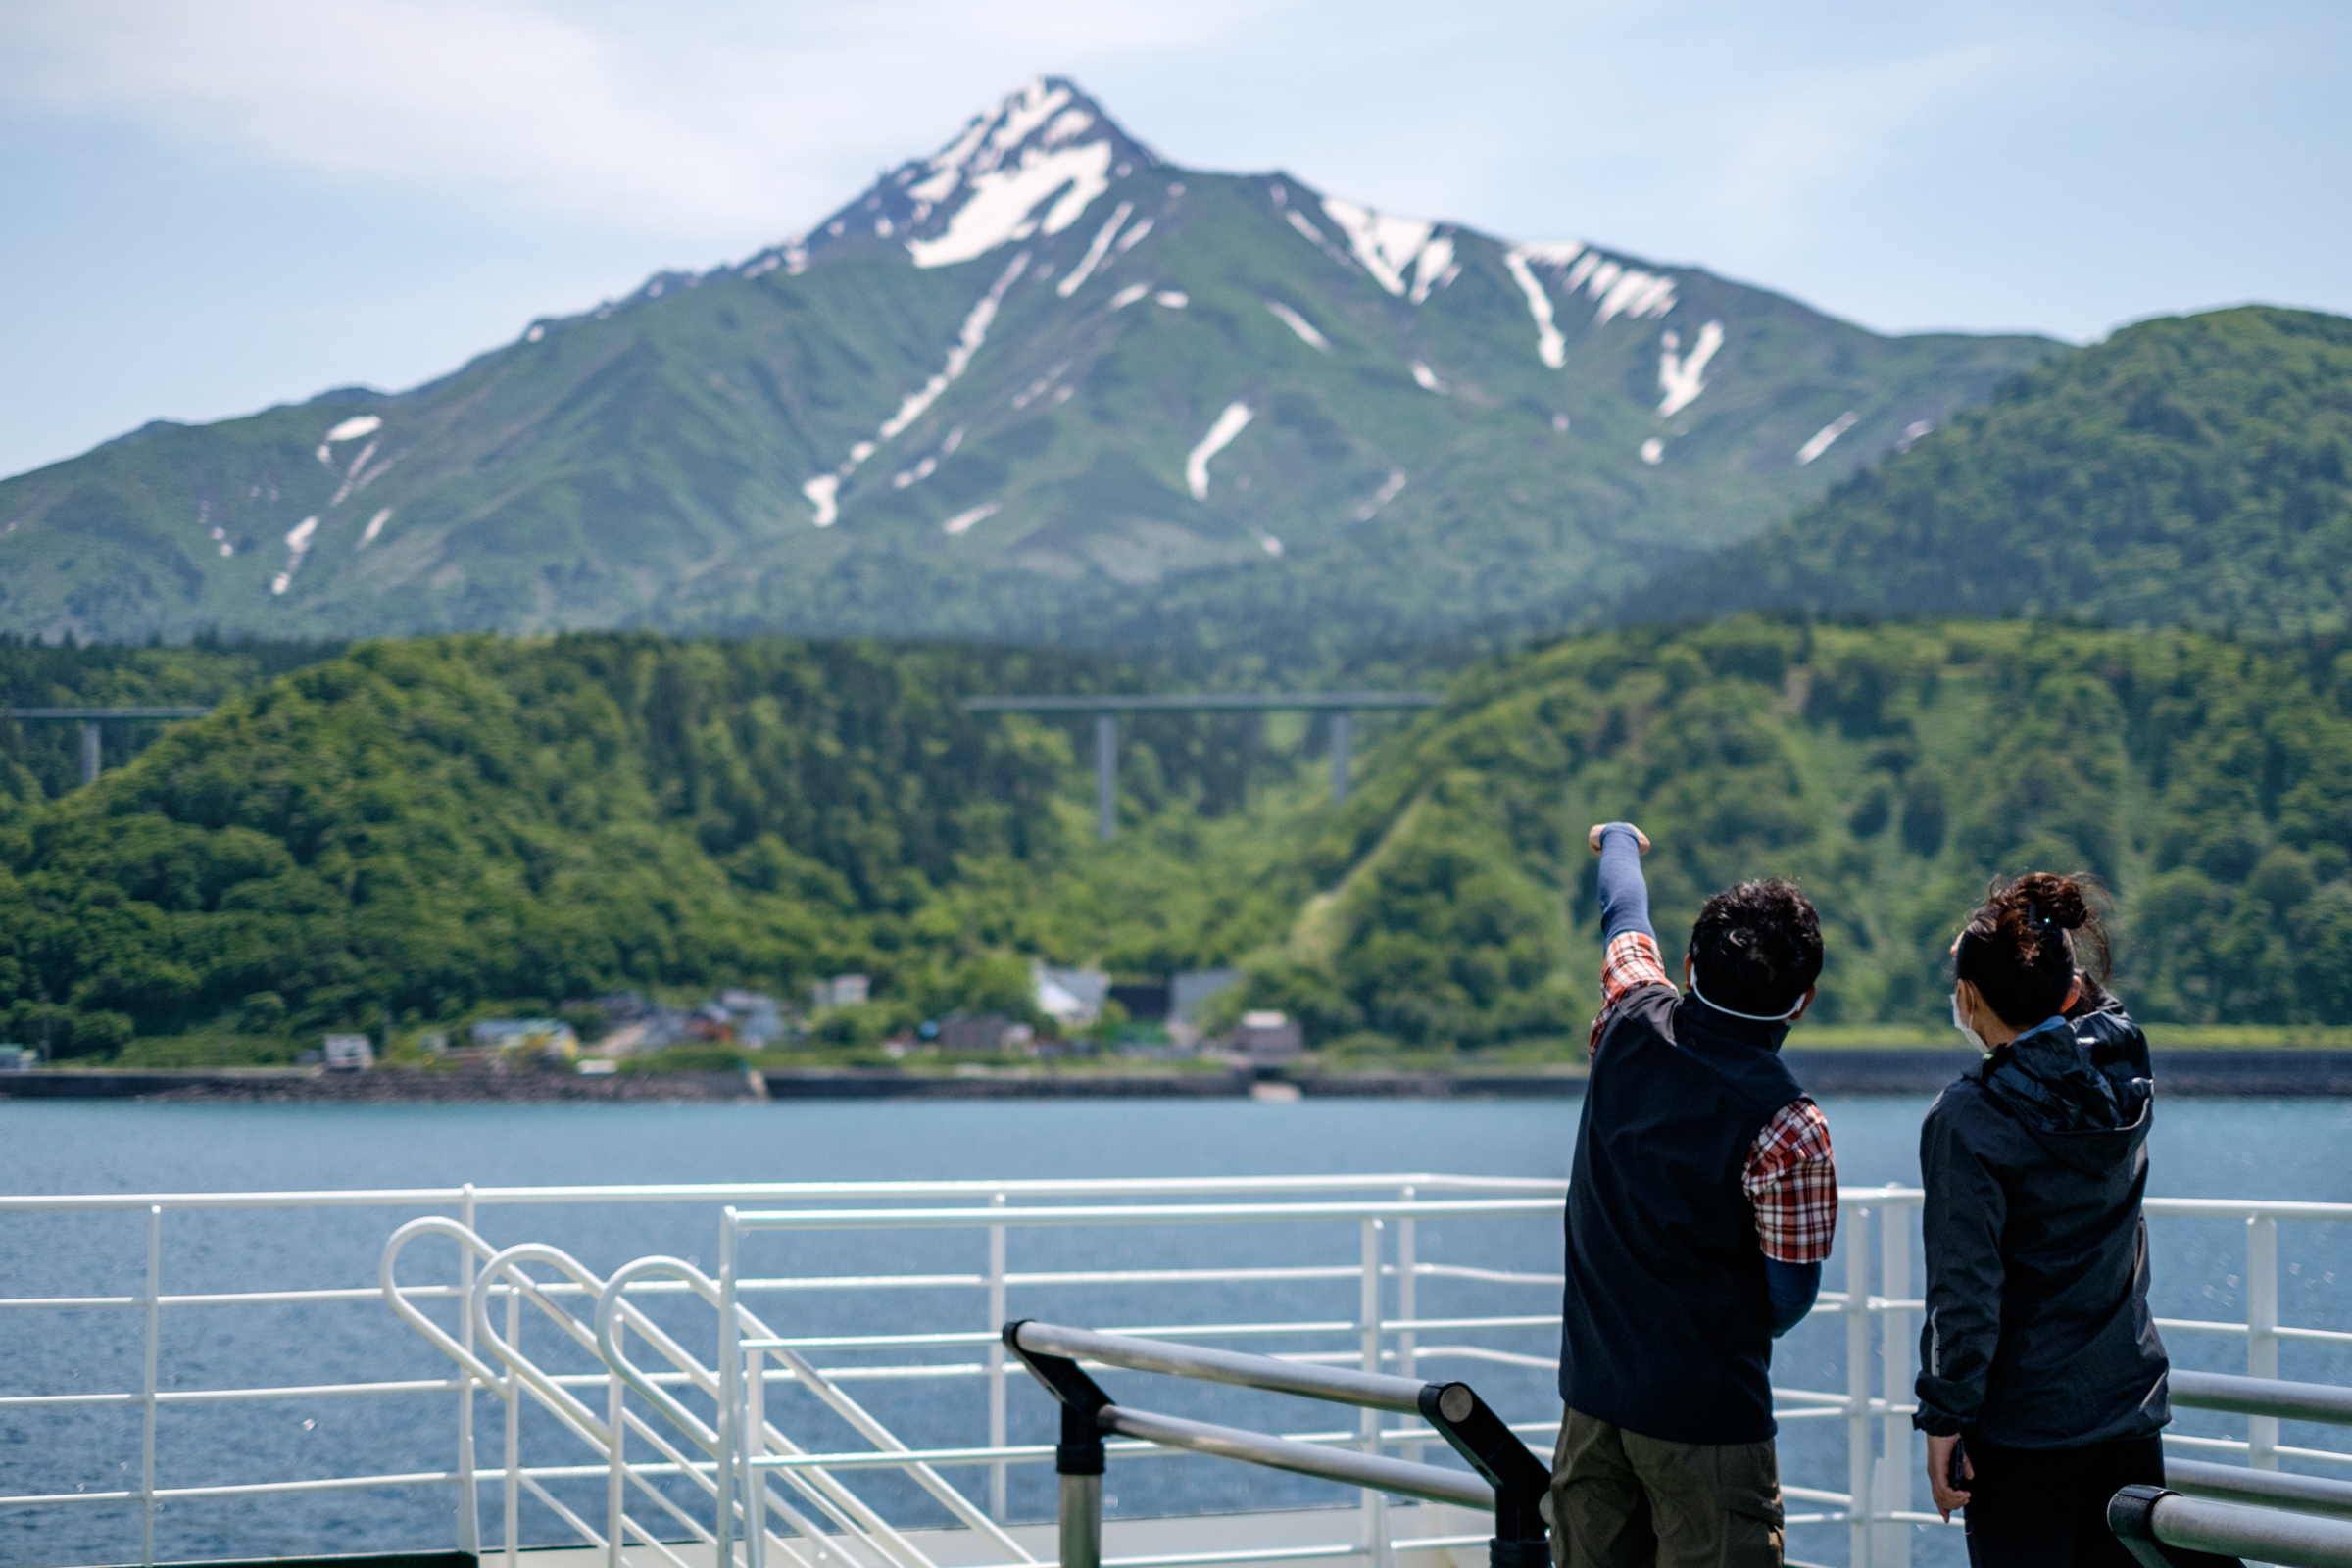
{"x": 1490, "y": 1276}
{"x": 2265, "y": 1535}
{"x": 813, "y": 1219}
{"x": 1408, "y": 1325}
{"x": 1375, "y": 1390}
{"x": 2194, "y": 1325}
{"x": 1479, "y": 1352}
{"x": 2272, "y": 1397}
{"x": 1373, "y": 1470}
{"x": 981, "y": 1336}
{"x": 2236, "y": 1483}
{"x": 1185, "y": 1276}
{"x": 2243, "y": 1209}
{"x": 750, "y": 1192}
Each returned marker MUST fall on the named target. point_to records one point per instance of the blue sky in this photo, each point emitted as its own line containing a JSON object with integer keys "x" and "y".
{"x": 215, "y": 207}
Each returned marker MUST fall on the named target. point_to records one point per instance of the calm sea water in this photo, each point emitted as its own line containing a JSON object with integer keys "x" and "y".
{"x": 2223, "y": 1149}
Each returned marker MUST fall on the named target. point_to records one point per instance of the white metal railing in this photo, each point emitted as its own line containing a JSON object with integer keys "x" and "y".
{"x": 1383, "y": 1276}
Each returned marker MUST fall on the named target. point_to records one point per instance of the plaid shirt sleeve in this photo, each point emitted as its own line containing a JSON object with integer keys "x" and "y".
{"x": 1793, "y": 1181}
{"x": 1630, "y": 960}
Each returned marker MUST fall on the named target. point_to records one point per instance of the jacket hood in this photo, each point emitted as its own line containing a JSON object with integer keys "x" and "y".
{"x": 2090, "y": 1118}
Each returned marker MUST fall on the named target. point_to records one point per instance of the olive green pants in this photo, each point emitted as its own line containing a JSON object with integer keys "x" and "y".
{"x": 1622, "y": 1501}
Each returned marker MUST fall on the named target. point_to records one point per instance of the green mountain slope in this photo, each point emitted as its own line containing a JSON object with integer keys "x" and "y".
{"x": 1891, "y": 771}
{"x": 2194, "y": 470}
{"x": 423, "y": 828}
{"x": 985, "y": 401}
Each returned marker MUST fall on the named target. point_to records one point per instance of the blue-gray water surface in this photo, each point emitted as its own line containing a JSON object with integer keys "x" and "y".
{"x": 2217, "y": 1148}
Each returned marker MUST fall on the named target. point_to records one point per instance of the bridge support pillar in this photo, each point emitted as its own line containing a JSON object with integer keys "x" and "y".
{"x": 1339, "y": 753}
{"x": 1106, "y": 775}
{"x": 90, "y": 751}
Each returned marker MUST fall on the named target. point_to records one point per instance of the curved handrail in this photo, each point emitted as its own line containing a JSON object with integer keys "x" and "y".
{"x": 566, "y": 1405}
{"x": 387, "y": 1277}
{"x": 610, "y": 1310}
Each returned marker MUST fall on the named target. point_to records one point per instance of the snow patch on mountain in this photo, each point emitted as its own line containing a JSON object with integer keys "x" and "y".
{"x": 1095, "y": 252}
{"x": 1230, "y": 423}
{"x": 1653, "y": 452}
{"x": 1388, "y": 246}
{"x": 357, "y": 425}
{"x": 1427, "y": 379}
{"x": 1550, "y": 347}
{"x": 375, "y": 525}
{"x": 298, "y": 545}
{"x": 1175, "y": 299}
{"x": 1301, "y": 326}
{"x": 1001, "y": 204}
{"x": 1129, "y": 295}
{"x": 1825, "y": 437}
{"x": 963, "y": 521}
{"x": 1681, "y": 377}
{"x": 1370, "y": 506}
{"x": 823, "y": 492}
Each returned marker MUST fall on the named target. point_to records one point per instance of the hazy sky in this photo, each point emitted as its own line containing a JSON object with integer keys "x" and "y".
{"x": 212, "y": 207}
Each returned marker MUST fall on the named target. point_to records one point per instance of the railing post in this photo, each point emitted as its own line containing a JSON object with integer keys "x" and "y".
{"x": 1892, "y": 1546}
{"x": 2262, "y": 1333}
{"x": 730, "y": 1397}
{"x": 1857, "y": 1384}
{"x": 513, "y": 1455}
{"x": 1407, "y": 1310}
{"x": 1078, "y": 1463}
{"x": 755, "y": 1444}
{"x": 469, "y": 1501}
{"x": 615, "y": 1413}
{"x": 155, "y": 1291}
{"x": 1376, "y": 1503}
{"x": 997, "y": 1318}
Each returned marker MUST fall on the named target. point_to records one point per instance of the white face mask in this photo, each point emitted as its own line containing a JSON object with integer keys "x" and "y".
{"x": 1960, "y": 1022}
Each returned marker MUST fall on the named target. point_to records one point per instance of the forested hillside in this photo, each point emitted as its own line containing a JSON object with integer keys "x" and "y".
{"x": 2194, "y": 470}
{"x": 419, "y": 830}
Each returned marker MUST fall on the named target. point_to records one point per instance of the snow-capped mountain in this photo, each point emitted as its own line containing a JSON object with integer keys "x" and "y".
{"x": 1041, "y": 386}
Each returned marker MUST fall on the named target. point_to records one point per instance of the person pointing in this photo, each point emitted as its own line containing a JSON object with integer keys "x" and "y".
{"x": 1701, "y": 1202}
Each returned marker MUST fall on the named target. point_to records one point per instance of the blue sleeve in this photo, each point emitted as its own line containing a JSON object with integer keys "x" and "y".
{"x": 1792, "y": 1288}
{"x": 1623, "y": 895}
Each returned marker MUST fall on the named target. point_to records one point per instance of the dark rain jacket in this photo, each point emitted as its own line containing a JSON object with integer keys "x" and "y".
{"x": 2037, "y": 1331}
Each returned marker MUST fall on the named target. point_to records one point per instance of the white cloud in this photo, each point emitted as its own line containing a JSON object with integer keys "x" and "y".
{"x": 733, "y": 119}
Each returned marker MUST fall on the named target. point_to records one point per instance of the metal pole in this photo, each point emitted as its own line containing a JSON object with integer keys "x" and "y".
{"x": 2262, "y": 1333}
{"x": 1893, "y": 1549}
{"x": 469, "y": 1501}
{"x": 1407, "y": 1297}
{"x": 1339, "y": 753}
{"x": 1078, "y": 1463}
{"x": 1106, "y": 775}
{"x": 514, "y": 1488}
{"x": 615, "y": 1521}
{"x": 730, "y": 1397}
{"x": 155, "y": 1292}
{"x": 996, "y": 1317}
{"x": 1376, "y": 1502}
{"x": 90, "y": 751}
{"x": 1857, "y": 1387}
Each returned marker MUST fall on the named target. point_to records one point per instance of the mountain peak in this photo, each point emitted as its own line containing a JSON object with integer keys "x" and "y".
{"x": 1034, "y": 162}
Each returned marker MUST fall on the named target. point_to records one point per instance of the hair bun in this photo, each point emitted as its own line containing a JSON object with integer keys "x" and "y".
{"x": 2046, "y": 895}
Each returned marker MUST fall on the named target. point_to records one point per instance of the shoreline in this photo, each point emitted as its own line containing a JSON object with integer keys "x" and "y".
{"x": 1833, "y": 1070}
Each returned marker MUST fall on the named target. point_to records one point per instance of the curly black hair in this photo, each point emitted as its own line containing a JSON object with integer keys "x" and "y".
{"x": 1756, "y": 947}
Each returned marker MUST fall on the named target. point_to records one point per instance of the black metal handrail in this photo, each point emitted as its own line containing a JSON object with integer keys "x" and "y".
{"x": 2163, "y": 1529}
{"x": 1508, "y": 1479}
{"x": 2273, "y": 1396}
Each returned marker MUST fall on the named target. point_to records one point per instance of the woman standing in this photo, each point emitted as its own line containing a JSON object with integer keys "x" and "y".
{"x": 2043, "y": 1387}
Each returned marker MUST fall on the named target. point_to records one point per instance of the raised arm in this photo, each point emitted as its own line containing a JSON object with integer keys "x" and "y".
{"x": 1628, "y": 947}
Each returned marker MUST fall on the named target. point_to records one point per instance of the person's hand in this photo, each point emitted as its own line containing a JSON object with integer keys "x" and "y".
{"x": 1593, "y": 838}
{"x": 1939, "y": 1470}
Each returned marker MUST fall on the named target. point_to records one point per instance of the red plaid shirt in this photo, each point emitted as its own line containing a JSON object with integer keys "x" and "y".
{"x": 1790, "y": 1177}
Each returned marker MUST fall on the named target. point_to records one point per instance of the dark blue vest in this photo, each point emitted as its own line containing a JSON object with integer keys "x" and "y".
{"x": 1666, "y": 1326}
